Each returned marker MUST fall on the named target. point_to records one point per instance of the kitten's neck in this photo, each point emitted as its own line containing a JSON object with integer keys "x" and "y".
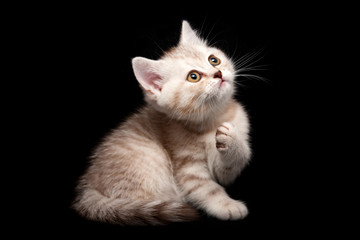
{"x": 201, "y": 123}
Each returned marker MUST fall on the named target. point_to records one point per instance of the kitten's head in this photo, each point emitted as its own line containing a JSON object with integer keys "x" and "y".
{"x": 190, "y": 82}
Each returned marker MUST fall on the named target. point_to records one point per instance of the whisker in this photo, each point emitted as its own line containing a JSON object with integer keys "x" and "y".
{"x": 213, "y": 44}
{"x": 239, "y": 83}
{"x": 247, "y": 63}
{"x": 208, "y": 41}
{"x": 247, "y": 58}
{"x": 159, "y": 47}
{"x": 253, "y": 68}
{"x": 234, "y": 52}
{"x": 202, "y": 26}
{"x": 209, "y": 32}
{"x": 244, "y": 58}
{"x": 253, "y": 76}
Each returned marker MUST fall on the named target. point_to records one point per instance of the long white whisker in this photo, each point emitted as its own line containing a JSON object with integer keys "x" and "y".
{"x": 252, "y": 76}
{"x": 207, "y": 36}
{"x": 234, "y": 52}
{"x": 247, "y": 58}
{"x": 253, "y": 68}
{"x": 247, "y": 63}
{"x": 202, "y": 26}
{"x": 239, "y": 84}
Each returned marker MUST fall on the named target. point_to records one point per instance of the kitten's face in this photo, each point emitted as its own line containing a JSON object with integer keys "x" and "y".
{"x": 190, "y": 81}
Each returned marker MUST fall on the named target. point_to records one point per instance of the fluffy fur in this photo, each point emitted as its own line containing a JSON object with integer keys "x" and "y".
{"x": 168, "y": 160}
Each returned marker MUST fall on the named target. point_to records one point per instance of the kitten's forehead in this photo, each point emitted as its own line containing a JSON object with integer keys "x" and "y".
{"x": 184, "y": 52}
{"x": 195, "y": 57}
{"x": 197, "y": 53}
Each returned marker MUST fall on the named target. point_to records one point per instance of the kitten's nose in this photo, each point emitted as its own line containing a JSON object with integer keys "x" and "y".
{"x": 218, "y": 74}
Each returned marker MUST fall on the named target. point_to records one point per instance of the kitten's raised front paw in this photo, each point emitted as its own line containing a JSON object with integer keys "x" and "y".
{"x": 230, "y": 210}
{"x": 223, "y": 136}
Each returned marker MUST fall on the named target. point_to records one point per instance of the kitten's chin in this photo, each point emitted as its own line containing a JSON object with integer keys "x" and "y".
{"x": 224, "y": 90}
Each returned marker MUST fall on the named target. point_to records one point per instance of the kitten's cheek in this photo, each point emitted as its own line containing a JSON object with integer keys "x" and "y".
{"x": 228, "y": 77}
{"x": 229, "y": 80}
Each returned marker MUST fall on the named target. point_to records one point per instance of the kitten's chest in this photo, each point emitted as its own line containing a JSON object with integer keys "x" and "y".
{"x": 182, "y": 143}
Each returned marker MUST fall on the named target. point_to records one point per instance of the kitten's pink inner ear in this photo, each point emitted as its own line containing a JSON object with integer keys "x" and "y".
{"x": 154, "y": 81}
{"x": 146, "y": 73}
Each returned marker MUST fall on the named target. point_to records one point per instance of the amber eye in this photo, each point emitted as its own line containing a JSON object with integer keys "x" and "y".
{"x": 194, "y": 76}
{"x": 214, "y": 60}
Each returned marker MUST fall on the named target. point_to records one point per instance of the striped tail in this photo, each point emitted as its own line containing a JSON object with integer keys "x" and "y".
{"x": 95, "y": 206}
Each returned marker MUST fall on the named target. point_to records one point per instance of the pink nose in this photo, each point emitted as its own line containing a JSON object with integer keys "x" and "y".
{"x": 218, "y": 74}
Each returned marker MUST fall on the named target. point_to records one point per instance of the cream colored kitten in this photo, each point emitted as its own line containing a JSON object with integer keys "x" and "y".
{"x": 171, "y": 158}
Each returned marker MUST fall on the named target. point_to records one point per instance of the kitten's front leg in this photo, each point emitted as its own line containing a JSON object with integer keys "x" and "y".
{"x": 202, "y": 191}
{"x": 234, "y": 151}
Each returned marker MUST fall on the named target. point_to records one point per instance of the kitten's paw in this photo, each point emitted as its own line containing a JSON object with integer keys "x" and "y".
{"x": 224, "y": 137}
{"x": 230, "y": 210}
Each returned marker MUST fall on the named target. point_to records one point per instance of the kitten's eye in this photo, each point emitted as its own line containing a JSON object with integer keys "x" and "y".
{"x": 214, "y": 60}
{"x": 193, "y": 76}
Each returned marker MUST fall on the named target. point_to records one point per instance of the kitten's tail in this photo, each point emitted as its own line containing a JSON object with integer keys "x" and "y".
{"x": 95, "y": 206}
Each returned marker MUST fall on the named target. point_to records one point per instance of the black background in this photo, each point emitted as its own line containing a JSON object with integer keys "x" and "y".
{"x": 84, "y": 86}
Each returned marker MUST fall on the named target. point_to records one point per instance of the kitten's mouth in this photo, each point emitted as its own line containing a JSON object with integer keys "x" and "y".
{"x": 222, "y": 82}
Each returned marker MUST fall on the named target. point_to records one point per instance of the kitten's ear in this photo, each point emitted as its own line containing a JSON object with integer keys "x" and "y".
{"x": 188, "y": 35}
{"x": 147, "y": 73}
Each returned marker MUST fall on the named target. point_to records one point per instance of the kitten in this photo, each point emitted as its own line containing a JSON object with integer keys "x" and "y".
{"x": 168, "y": 160}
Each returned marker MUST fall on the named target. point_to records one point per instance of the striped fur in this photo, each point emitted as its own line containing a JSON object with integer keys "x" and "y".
{"x": 171, "y": 158}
